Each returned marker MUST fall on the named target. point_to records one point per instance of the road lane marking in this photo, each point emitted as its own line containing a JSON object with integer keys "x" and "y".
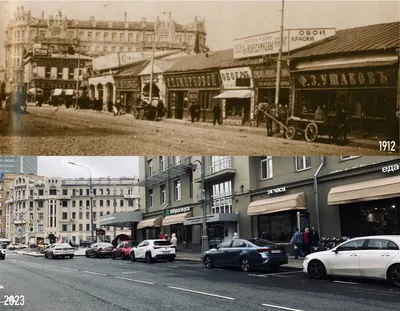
{"x": 173, "y": 266}
{"x": 50, "y": 266}
{"x": 130, "y": 272}
{"x": 279, "y": 307}
{"x": 69, "y": 269}
{"x": 201, "y": 293}
{"x": 342, "y": 282}
{"x": 132, "y": 280}
{"x": 260, "y": 275}
{"x": 90, "y": 272}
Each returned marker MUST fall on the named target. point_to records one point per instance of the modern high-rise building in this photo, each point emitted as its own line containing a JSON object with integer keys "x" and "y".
{"x": 18, "y": 165}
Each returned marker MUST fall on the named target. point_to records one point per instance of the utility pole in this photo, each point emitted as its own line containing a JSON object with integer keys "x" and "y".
{"x": 152, "y": 69}
{"x": 77, "y": 80}
{"x": 115, "y": 210}
{"x": 204, "y": 237}
{"x": 278, "y": 71}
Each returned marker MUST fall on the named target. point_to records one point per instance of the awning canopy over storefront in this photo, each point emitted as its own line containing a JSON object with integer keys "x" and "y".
{"x": 377, "y": 189}
{"x": 57, "y": 92}
{"x": 224, "y": 217}
{"x": 174, "y": 171}
{"x": 234, "y": 94}
{"x": 152, "y": 222}
{"x": 278, "y": 204}
{"x": 69, "y": 92}
{"x": 121, "y": 219}
{"x": 176, "y": 219}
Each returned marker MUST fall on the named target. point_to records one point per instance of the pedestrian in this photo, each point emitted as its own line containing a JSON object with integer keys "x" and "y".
{"x": 217, "y": 114}
{"x": 174, "y": 242}
{"x": 197, "y": 112}
{"x": 306, "y": 241}
{"x": 297, "y": 242}
{"x": 160, "y": 109}
{"x": 192, "y": 112}
{"x": 166, "y": 237}
{"x": 270, "y": 111}
{"x": 342, "y": 120}
{"x": 313, "y": 238}
{"x": 235, "y": 236}
{"x": 161, "y": 236}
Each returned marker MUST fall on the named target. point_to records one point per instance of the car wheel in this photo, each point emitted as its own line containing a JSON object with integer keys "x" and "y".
{"x": 245, "y": 264}
{"x": 53, "y": 256}
{"x": 394, "y": 275}
{"x": 71, "y": 256}
{"x": 316, "y": 270}
{"x": 112, "y": 256}
{"x": 132, "y": 256}
{"x": 96, "y": 255}
{"x": 45, "y": 255}
{"x": 149, "y": 259}
{"x": 171, "y": 259}
{"x": 208, "y": 263}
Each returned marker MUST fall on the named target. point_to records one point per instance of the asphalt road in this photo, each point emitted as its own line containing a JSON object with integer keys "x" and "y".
{"x": 45, "y": 131}
{"x": 105, "y": 284}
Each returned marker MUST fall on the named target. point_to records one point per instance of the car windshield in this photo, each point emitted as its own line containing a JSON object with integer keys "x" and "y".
{"x": 261, "y": 242}
{"x": 162, "y": 243}
{"x": 63, "y": 246}
{"x": 105, "y": 245}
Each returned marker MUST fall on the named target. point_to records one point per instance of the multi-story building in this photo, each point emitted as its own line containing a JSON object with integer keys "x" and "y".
{"x": 19, "y": 164}
{"x": 270, "y": 196}
{"x": 94, "y": 38}
{"x": 37, "y": 209}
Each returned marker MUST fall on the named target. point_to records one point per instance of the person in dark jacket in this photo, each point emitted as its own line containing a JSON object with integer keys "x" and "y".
{"x": 313, "y": 237}
{"x": 306, "y": 241}
{"x": 192, "y": 111}
{"x": 217, "y": 114}
{"x": 197, "y": 112}
{"x": 297, "y": 242}
{"x": 343, "y": 123}
{"x": 160, "y": 109}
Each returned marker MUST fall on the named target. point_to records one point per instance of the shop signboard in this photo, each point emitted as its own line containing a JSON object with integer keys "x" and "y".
{"x": 131, "y": 83}
{"x": 269, "y": 43}
{"x": 105, "y": 62}
{"x": 56, "y": 85}
{"x": 347, "y": 78}
{"x": 178, "y": 210}
{"x": 229, "y": 77}
{"x": 264, "y": 76}
{"x": 276, "y": 190}
{"x": 199, "y": 220}
{"x": 206, "y": 80}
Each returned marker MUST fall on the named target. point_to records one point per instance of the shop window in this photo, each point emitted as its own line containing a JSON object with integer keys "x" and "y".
{"x": 163, "y": 192}
{"x": 266, "y": 167}
{"x": 302, "y": 163}
{"x": 151, "y": 197}
{"x": 222, "y": 198}
{"x": 177, "y": 190}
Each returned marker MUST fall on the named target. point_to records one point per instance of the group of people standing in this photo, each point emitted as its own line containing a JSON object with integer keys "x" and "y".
{"x": 173, "y": 240}
{"x": 303, "y": 242}
{"x": 194, "y": 111}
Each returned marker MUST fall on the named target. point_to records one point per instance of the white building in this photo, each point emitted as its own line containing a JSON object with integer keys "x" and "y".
{"x": 35, "y": 209}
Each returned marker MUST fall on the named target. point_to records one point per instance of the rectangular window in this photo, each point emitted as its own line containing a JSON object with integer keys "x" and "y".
{"x": 114, "y": 36}
{"x": 70, "y": 34}
{"x": 80, "y": 191}
{"x": 138, "y": 37}
{"x": 40, "y": 215}
{"x": 150, "y": 167}
{"x": 151, "y": 198}
{"x": 89, "y": 35}
{"x": 108, "y": 203}
{"x": 74, "y": 215}
{"x": 73, "y": 203}
{"x": 74, "y": 227}
{"x": 40, "y": 228}
{"x": 94, "y": 203}
{"x": 64, "y": 216}
{"x": 121, "y": 37}
{"x": 97, "y": 36}
{"x": 87, "y": 203}
{"x": 64, "y": 203}
{"x": 222, "y": 198}
{"x": 302, "y": 163}
{"x": 163, "y": 163}
{"x": 266, "y": 167}
{"x": 105, "y": 36}
{"x": 87, "y": 215}
{"x": 80, "y": 227}
{"x": 53, "y": 192}
{"x": 80, "y": 215}
{"x": 177, "y": 190}
{"x": 163, "y": 192}
{"x": 113, "y": 49}
{"x": 130, "y": 37}
{"x": 94, "y": 191}
{"x": 64, "y": 228}
{"x": 87, "y": 191}
{"x": 121, "y": 203}
{"x": 65, "y": 191}
{"x": 101, "y": 203}
{"x": 87, "y": 227}
{"x": 81, "y": 35}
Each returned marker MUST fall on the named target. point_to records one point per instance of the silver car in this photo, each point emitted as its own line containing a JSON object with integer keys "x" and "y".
{"x": 100, "y": 249}
{"x": 59, "y": 250}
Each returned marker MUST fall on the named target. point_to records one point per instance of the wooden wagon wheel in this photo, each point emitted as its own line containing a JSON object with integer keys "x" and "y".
{"x": 291, "y": 132}
{"x": 311, "y": 132}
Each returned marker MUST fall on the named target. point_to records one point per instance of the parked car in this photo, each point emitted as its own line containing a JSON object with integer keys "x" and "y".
{"x": 59, "y": 250}
{"x": 246, "y": 254}
{"x": 375, "y": 257}
{"x": 17, "y": 246}
{"x": 99, "y": 250}
{"x": 2, "y": 254}
{"x": 123, "y": 249}
{"x": 151, "y": 250}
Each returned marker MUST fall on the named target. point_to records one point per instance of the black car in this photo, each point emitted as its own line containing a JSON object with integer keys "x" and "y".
{"x": 100, "y": 250}
{"x": 2, "y": 254}
{"x": 246, "y": 254}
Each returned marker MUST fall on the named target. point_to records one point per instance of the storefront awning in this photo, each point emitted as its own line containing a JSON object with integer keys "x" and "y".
{"x": 121, "y": 219}
{"x": 175, "y": 219}
{"x": 57, "y": 92}
{"x": 69, "y": 92}
{"x": 234, "y": 94}
{"x": 278, "y": 204}
{"x": 152, "y": 222}
{"x": 377, "y": 189}
{"x": 221, "y": 217}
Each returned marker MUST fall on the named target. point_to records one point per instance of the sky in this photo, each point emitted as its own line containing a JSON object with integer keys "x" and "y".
{"x": 225, "y": 20}
{"x": 99, "y": 167}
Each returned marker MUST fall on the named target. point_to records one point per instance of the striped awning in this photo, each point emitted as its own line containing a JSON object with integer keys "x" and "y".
{"x": 288, "y": 202}
{"x": 176, "y": 219}
{"x": 234, "y": 94}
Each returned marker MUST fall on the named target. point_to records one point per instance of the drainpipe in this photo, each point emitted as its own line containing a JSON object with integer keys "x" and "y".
{"x": 316, "y": 194}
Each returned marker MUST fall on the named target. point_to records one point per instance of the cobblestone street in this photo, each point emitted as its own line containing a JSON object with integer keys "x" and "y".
{"x": 45, "y": 131}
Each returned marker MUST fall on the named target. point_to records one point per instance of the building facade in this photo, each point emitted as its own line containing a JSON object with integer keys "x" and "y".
{"x": 19, "y": 164}
{"x": 37, "y": 208}
{"x": 56, "y": 33}
{"x": 339, "y": 196}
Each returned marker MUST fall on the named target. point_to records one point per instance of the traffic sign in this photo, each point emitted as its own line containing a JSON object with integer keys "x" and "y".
{"x": 19, "y": 230}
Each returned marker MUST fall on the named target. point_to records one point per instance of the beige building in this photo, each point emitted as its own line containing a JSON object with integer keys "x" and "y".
{"x": 270, "y": 196}
{"x": 55, "y": 33}
{"x": 37, "y": 207}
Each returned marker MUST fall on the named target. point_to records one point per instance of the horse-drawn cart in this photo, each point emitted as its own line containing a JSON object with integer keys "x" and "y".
{"x": 143, "y": 110}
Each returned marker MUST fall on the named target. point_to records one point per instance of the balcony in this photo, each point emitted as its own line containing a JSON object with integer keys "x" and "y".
{"x": 131, "y": 196}
{"x": 220, "y": 168}
{"x": 39, "y": 197}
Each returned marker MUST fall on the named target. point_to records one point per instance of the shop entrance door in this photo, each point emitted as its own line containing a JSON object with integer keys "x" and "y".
{"x": 215, "y": 234}
{"x": 179, "y": 105}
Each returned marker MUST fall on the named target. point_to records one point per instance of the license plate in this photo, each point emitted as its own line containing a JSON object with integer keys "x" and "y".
{"x": 165, "y": 252}
{"x": 275, "y": 252}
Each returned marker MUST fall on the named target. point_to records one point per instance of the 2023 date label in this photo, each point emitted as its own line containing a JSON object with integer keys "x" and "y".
{"x": 13, "y": 300}
{"x": 387, "y": 146}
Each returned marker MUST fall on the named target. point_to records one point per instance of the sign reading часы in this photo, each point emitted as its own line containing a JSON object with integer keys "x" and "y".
{"x": 269, "y": 43}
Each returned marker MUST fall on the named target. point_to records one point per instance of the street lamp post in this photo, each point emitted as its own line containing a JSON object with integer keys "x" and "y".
{"x": 91, "y": 197}
{"x": 204, "y": 236}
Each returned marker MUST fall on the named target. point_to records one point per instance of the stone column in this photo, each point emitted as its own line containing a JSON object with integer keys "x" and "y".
{"x": 96, "y": 92}
{"x": 114, "y": 93}
{"x": 105, "y": 93}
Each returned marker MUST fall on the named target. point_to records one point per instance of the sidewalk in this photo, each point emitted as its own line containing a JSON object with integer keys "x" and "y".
{"x": 196, "y": 257}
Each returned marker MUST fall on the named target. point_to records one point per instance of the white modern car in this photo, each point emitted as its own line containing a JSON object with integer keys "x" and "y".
{"x": 59, "y": 250}
{"x": 375, "y": 257}
{"x": 151, "y": 250}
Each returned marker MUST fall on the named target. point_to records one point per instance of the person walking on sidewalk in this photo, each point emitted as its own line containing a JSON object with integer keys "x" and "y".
{"x": 217, "y": 114}
{"x": 161, "y": 236}
{"x": 235, "y": 235}
{"x": 313, "y": 238}
{"x": 174, "y": 242}
{"x": 306, "y": 241}
{"x": 166, "y": 237}
{"x": 297, "y": 242}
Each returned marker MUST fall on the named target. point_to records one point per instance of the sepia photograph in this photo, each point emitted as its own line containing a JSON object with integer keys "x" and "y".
{"x": 209, "y": 77}
{"x": 200, "y": 232}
